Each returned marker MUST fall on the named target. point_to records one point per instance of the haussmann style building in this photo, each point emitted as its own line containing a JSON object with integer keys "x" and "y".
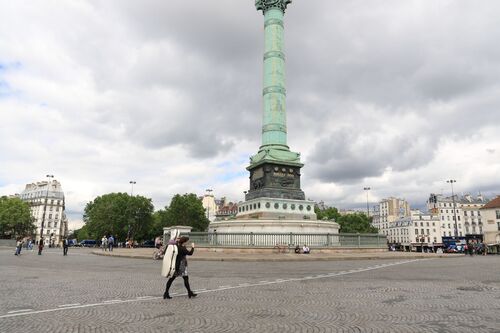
{"x": 48, "y": 208}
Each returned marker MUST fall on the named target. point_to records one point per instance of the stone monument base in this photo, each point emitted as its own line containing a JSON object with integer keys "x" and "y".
{"x": 274, "y": 226}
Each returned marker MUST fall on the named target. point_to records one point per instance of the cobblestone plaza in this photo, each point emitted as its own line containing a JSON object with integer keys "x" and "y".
{"x": 87, "y": 293}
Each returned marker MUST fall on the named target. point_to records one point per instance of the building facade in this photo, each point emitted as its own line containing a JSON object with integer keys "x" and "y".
{"x": 226, "y": 209}
{"x": 46, "y": 199}
{"x": 414, "y": 231}
{"x": 491, "y": 217}
{"x": 459, "y": 216}
{"x": 389, "y": 211}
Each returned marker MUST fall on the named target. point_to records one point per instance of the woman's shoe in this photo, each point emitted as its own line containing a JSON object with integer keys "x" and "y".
{"x": 166, "y": 295}
{"x": 191, "y": 294}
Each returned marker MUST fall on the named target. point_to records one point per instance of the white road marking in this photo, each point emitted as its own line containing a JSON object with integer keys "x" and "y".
{"x": 64, "y": 305}
{"x": 144, "y": 297}
{"x": 19, "y": 311}
{"x": 25, "y": 312}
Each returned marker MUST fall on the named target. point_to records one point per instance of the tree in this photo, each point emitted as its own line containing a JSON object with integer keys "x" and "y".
{"x": 330, "y": 213}
{"x": 184, "y": 209}
{"x": 119, "y": 214}
{"x": 355, "y": 223}
{"x": 81, "y": 234}
{"x": 15, "y": 218}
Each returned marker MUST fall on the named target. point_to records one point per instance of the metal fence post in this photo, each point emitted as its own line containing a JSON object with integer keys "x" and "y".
{"x": 359, "y": 240}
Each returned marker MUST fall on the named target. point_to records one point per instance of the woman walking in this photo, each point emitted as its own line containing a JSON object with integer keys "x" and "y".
{"x": 181, "y": 267}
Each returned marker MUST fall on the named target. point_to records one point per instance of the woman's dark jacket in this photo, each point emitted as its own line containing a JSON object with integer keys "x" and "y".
{"x": 183, "y": 252}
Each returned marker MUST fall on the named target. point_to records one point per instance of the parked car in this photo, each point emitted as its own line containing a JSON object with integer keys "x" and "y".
{"x": 148, "y": 243}
{"x": 88, "y": 243}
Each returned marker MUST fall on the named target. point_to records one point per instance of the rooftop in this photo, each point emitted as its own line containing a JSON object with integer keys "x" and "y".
{"x": 495, "y": 203}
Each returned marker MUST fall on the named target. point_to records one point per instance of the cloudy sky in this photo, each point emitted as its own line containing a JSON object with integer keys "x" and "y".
{"x": 395, "y": 95}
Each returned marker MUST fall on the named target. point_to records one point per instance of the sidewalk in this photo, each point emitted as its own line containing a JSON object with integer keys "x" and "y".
{"x": 203, "y": 255}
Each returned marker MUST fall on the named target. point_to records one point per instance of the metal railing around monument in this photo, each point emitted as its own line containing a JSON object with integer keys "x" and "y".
{"x": 216, "y": 239}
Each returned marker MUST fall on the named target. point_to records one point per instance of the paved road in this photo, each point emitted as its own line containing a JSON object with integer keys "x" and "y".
{"x": 87, "y": 293}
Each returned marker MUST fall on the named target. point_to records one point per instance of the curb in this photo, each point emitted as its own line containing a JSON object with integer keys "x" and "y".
{"x": 264, "y": 259}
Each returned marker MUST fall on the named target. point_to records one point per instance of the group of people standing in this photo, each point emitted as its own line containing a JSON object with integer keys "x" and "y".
{"x": 475, "y": 247}
{"x": 28, "y": 243}
{"x": 107, "y": 243}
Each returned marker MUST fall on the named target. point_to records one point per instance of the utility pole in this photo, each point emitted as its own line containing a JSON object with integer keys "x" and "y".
{"x": 367, "y": 189}
{"x": 45, "y": 206}
{"x": 451, "y": 181}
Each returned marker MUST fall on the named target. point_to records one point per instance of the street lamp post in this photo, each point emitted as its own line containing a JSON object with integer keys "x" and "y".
{"x": 45, "y": 207}
{"x": 132, "y": 182}
{"x": 451, "y": 181}
{"x": 367, "y": 189}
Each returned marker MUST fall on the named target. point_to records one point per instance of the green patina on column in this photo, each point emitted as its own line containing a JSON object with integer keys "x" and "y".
{"x": 274, "y": 146}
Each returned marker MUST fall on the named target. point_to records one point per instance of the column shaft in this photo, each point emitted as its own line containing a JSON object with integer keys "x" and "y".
{"x": 274, "y": 132}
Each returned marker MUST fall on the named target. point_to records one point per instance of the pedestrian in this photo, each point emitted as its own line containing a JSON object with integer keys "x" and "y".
{"x": 30, "y": 244}
{"x": 305, "y": 249}
{"x": 19, "y": 245}
{"x": 181, "y": 267}
{"x": 111, "y": 243}
{"x": 65, "y": 246}
{"x": 40, "y": 246}
{"x": 158, "y": 242}
{"x": 104, "y": 243}
{"x": 471, "y": 248}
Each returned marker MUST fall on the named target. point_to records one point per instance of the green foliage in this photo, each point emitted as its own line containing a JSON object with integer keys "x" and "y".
{"x": 330, "y": 213}
{"x": 118, "y": 214}
{"x": 81, "y": 234}
{"x": 350, "y": 223}
{"x": 15, "y": 218}
{"x": 184, "y": 209}
{"x": 356, "y": 223}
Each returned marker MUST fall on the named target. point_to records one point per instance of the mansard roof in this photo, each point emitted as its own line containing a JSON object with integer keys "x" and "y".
{"x": 495, "y": 203}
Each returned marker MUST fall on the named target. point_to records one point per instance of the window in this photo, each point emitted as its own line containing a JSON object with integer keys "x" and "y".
{"x": 442, "y": 218}
{"x": 465, "y": 213}
{"x": 416, "y": 230}
{"x": 55, "y": 224}
{"x": 472, "y": 213}
{"x": 458, "y": 217}
{"x": 427, "y": 223}
{"x": 427, "y": 231}
{"x": 498, "y": 225}
{"x": 498, "y": 214}
{"x": 449, "y": 226}
{"x": 433, "y": 224}
{"x": 422, "y": 231}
